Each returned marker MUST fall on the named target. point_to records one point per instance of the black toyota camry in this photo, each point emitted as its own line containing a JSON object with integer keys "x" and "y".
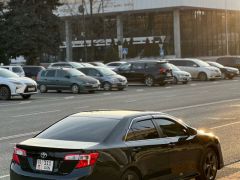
{"x": 118, "y": 145}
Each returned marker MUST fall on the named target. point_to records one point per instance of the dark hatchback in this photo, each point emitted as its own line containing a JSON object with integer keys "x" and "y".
{"x": 118, "y": 145}
{"x": 108, "y": 78}
{"x": 230, "y": 61}
{"x": 66, "y": 79}
{"x": 150, "y": 72}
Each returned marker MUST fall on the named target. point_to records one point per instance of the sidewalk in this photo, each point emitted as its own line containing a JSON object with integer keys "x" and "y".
{"x": 231, "y": 172}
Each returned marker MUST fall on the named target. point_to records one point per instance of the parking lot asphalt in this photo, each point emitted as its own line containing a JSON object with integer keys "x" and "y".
{"x": 212, "y": 106}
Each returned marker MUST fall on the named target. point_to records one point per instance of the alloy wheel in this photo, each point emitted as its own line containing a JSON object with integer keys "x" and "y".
{"x": 107, "y": 86}
{"x": 75, "y": 89}
{"x": 149, "y": 81}
{"x": 210, "y": 165}
{"x": 43, "y": 88}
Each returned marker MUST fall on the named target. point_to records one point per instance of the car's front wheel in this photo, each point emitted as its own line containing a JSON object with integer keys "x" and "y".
{"x": 107, "y": 86}
{"x": 130, "y": 175}
{"x": 75, "y": 89}
{"x": 27, "y": 96}
{"x": 202, "y": 76}
{"x": 5, "y": 93}
{"x": 43, "y": 88}
{"x": 208, "y": 166}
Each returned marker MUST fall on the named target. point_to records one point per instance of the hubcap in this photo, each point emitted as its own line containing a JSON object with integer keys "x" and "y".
{"x": 210, "y": 166}
{"x": 42, "y": 88}
{"x": 107, "y": 86}
{"x": 149, "y": 81}
{"x": 75, "y": 89}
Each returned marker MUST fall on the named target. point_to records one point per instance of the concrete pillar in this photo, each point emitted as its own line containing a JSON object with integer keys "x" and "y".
{"x": 120, "y": 29}
{"x": 177, "y": 32}
{"x": 68, "y": 31}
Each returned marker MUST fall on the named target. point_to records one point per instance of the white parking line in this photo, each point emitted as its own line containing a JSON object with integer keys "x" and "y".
{"x": 107, "y": 94}
{"x": 130, "y": 101}
{"x": 37, "y": 113}
{"x": 18, "y": 135}
{"x": 225, "y": 125}
{"x": 200, "y": 105}
{"x": 193, "y": 84}
{"x": 140, "y": 90}
{"x": 69, "y": 97}
{"x": 1, "y": 177}
{"x": 25, "y": 102}
{"x": 169, "y": 87}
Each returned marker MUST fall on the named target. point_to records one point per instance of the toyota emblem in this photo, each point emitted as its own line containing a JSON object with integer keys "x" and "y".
{"x": 43, "y": 155}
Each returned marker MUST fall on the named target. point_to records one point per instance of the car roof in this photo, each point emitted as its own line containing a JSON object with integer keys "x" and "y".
{"x": 148, "y": 61}
{"x": 114, "y": 114}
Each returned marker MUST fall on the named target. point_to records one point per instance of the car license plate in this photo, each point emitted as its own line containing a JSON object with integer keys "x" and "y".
{"x": 44, "y": 165}
{"x": 31, "y": 89}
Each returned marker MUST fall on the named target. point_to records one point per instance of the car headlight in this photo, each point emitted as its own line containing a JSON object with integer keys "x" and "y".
{"x": 114, "y": 80}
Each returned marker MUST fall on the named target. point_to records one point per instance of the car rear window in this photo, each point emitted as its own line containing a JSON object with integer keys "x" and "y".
{"x": 17, "y": 69}
{"x": 87, "y": 129}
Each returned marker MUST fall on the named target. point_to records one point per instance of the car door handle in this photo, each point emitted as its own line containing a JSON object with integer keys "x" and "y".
{"x": 137, "y": 149}
{"x": 171, "y": 145}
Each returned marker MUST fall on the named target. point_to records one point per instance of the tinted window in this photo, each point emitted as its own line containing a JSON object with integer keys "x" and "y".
{"x": 62, "y": 73}
{"x": 142, "y": 130}
{"x": 86, "y": 129}
{"x": 50, "y": 73}
{"x": 171, "y": 128}
{"x": 138, "y": 66}
{"x": 61, "y": 65}
{"x": 93, "y": 72}
{"x": 85, "y": 71}
{"x": 17, "y": 69}
{"x": 192, "y": 64}
{"x": 151, "y": 65}
{"x": 178, "y": 62}
{"x": 43, "y": 73}
{"x": 125, "y": 67}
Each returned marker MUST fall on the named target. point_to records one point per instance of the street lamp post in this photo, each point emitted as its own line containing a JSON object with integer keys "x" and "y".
{"x": 226, "y": 28}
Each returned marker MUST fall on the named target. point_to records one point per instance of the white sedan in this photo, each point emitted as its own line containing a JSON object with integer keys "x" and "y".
{"x": 13, "y": 85}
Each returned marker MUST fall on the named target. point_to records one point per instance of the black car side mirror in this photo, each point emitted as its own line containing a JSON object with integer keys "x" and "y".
{"x": 67, "y": 76}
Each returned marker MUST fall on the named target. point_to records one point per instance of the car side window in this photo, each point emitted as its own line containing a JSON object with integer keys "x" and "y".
{"x": 125, "y": 67}
{"x": 51, "y": 73}
{"x": 191, "y": 64}
{"x": 93, "y": 72}
{"x": 62, "y": 73}
{"x": 138, "y": 66}
{"x": 171, "y": 128}
{"x": 142, "y": 130}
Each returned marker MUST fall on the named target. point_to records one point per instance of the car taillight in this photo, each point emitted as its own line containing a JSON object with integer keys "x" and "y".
{"x": 162, "y": 70}
{"x": 84, "y": 160}
{"x": 18, "y": 152}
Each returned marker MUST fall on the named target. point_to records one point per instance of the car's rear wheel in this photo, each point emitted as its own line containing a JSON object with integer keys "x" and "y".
{"x": 43, "y": 88}
{"x": 121, "y": 88}
{"x": 175, "y": 80}
{"x": 107, "y": 86}
{"x": 202, "y": 76}
{"x": 208, "y": 166}
{"x": 162, "y": 83}
{"x": 5, "y": 93}
{"x": 91, "y": 91}
{"x": 130, "y": 175}
{"x": 75, "y": 89}
{"x": 149, "y": 81}
{"x": 27, "y": 96}
{"x": 185, "y": 82}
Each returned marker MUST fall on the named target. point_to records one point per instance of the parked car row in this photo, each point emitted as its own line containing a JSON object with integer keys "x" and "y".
{"x": 86, "y": 77}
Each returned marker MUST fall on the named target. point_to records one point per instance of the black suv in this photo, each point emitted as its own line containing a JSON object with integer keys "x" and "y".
{"x": 32, "y": 71}
{"x": 149, "y": 72}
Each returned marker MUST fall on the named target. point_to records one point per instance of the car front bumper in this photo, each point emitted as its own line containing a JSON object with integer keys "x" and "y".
{"x": 24, "y": 90}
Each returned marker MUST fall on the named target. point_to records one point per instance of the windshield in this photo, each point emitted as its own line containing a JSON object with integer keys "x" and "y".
{"x": 75, "y": 72}
{"x": 87, "y": 129}
{"x": 106, "y": 71}
{"x": 7, "y": 74}
{"x": 202, "y": 63}
{"x": 174, "y": 68}
{"x": 17, "y": 69}
{"x": 76, "y": 65}
{"x": 216, "y": 64}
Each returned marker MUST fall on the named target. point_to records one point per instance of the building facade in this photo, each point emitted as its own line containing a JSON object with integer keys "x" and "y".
{"x": 186, "y": 28}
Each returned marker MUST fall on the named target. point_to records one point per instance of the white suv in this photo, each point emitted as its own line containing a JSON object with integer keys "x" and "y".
{"x": 197, "y": 68}
{"x": 13, "y": 85}
{"x": 16, "y": 69}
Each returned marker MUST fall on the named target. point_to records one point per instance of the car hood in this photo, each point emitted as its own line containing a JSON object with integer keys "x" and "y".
{"x": 212, "y": 68}
{"x": 181, "y": 73}
{"x": 86, "y": 79}
{"x": 116, "y": 76}
{"x": 231, "y": 69}
{"x": 24, "y": 80}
